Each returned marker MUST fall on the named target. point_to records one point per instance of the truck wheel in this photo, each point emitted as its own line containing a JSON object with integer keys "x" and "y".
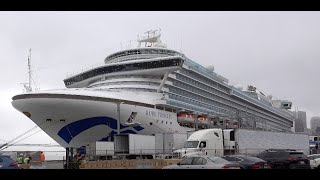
{"x": 292, "y": 167}
{"x": 278, "y": 166}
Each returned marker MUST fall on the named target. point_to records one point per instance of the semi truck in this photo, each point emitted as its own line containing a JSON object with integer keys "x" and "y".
{"x": 219, "y": 142}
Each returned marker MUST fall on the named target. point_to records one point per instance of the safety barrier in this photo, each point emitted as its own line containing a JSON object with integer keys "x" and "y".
{"x": 129, "y": 164}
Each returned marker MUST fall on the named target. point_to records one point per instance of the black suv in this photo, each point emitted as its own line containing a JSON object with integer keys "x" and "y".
{"x": 285, "y": 159}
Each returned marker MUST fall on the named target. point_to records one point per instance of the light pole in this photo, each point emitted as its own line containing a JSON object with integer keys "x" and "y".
{"x": 118, "y": 113}
{"x": 197, "y": 115}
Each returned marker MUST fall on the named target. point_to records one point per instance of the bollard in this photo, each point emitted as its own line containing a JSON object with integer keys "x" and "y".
{"x": 140, "y": 153}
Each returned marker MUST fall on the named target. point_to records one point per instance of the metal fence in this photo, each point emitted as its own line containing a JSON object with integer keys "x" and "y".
{"x": 96, "y": 155}
{"x": 57, "y": 159}
{"x": 171, "y": 154}
{"x": 133, "y": 154}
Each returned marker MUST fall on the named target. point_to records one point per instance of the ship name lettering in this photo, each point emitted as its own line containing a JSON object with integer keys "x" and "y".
{"x": 164, "y": 115}
{"x": 151, "y": 113}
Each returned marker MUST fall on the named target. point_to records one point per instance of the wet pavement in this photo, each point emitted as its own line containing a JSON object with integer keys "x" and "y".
{"x": 48, "y": 165}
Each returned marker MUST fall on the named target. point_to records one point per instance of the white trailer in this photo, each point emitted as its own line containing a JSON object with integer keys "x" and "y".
{"x": 219, "y": 142}
{"x": 254, "y": 142}
{"x": 133, "y": 146}
{"x": 100, "y": 150}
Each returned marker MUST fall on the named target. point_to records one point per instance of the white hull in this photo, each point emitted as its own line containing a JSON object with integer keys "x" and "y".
{"x": 77, "y": 122}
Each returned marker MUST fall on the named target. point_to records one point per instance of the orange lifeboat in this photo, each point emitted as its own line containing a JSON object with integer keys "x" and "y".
{"x": 186, "y": 118}
{"x": 203, "y": 119}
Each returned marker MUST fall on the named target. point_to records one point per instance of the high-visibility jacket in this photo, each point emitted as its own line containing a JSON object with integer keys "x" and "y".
{"x": 19, "y": 160}
{"x": 42, "y": 158}
{"x": 26, "y": 160}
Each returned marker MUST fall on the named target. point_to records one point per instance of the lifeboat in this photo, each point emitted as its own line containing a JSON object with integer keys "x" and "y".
{"x": 189, "y": 119}
{"x": 186, "y": 118}
{"x": 203, "y": 120}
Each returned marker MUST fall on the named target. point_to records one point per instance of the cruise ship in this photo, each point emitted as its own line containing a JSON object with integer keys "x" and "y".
{"x": 148, "y": 89}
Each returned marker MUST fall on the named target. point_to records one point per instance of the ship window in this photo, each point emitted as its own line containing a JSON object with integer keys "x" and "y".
{"x": 127, "y": 67}
{"x": 202, "y": 144}
{"x": 170, "y": 122}
{"x": 166, "y": 122}
{"x": 161, "y": 121}
{"x": 232, "y": 136}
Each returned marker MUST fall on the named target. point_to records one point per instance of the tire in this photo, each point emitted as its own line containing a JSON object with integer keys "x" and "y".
{"x": 279, "y": 166}
{"x": 292, "y": 167}
{"x": 275, "y": 167}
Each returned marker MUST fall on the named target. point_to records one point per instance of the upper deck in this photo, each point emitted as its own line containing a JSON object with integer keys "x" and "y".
{"x": 140, "y": 53}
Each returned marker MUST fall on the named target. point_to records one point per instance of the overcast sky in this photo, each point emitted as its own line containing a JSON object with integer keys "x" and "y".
{"x": 278, "y": 52}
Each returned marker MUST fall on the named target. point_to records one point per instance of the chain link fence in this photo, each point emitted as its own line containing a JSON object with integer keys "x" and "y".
{"x": 170, "y": 154}
{"x": 96, "y": 155}
{"x": 57, "y": 159}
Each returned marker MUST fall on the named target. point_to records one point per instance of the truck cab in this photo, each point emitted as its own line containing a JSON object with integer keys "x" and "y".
{"x": 229, "y": 141}
{"x": 314, "y": 142}
{"x": 204, "y": 142}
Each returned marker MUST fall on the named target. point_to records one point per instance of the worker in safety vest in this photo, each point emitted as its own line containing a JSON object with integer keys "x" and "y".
{"x": 27, "y": 160}
{"x": 19, "y": 160}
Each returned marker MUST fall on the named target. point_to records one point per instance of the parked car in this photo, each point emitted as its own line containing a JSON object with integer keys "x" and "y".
{"x": 248, "y": 162}
{"x": 285, "y": 159}
{"x": 7, "y": 163}
{"x": 203, "y": 162}
{"x": 314, "y": 161}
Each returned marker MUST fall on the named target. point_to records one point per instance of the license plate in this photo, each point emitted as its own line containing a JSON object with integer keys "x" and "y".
{"x": 265, "y": 166}
{"x": 301, "y": 162}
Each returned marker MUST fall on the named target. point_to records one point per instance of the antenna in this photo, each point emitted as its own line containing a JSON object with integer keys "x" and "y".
{"x": 27, "y": 86}
{"x": 151, "y": 39}
{"x": 181, "y": 45}
{"x": 29, "y": 67}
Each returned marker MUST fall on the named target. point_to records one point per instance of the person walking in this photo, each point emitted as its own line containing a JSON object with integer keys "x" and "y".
{"x": 42, "y": 158}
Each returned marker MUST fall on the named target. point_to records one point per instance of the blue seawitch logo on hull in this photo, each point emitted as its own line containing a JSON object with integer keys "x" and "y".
{"x": 73, "y": 129}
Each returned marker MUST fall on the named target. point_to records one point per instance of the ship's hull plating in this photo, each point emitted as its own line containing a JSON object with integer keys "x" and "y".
{"x": 77, "y": 122}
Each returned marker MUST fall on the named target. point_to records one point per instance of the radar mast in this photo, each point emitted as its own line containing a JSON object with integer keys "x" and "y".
{"x": 151, "y": 39}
